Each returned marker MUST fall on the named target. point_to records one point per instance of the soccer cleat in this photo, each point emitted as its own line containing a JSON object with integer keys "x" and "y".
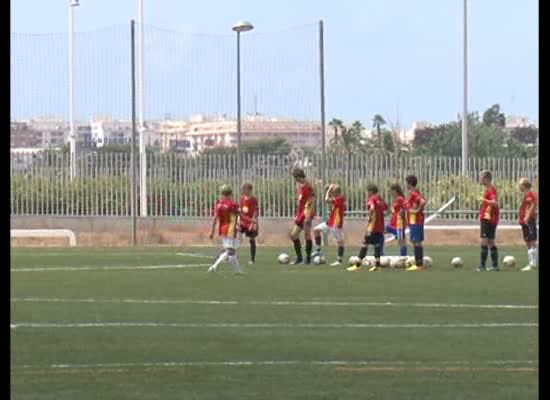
{"x": 336, "y": 264}
{"x": 481, "y": 269}
{"x": 414, "y": 268}
{"x": 353, "y": 268}
{"x": 528, "y": 268}
{"x": 373, "y": 269}
{"x": 297, "y": 261}
{"x": 212, "y": 269}
{"x": 251, "y": 262}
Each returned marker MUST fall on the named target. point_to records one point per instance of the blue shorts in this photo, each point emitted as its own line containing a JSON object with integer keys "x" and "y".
{"x": 416, "y": 233}
{"x": 398, "y": 233}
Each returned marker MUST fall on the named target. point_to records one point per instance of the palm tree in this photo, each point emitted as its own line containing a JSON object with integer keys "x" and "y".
{"x": 349, "y": 142}
{"x": 378, "y": 122}
{"x": 337, "y": 125}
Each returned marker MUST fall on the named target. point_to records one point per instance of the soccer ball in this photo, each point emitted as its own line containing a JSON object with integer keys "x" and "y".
{"x": 427, "y": 262}
{"x": 457, "y": 262}
{"x": 367, "y": 262}
{"x": 509, "y": 261}
{"x": 283, "y": 258}
{"x": 317, "y": 260}
{"x": 354, "y": 260}
{"x": 410, "y": 261}
{"x": 398, "y": 262}
{"x": 384, "y": 262}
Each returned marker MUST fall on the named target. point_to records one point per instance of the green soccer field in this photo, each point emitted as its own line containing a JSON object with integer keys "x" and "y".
{"x": 148, "y": 323}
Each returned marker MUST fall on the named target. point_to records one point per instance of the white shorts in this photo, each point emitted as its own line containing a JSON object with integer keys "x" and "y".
{"x": 337, "y": 233}
{"x": 230, "y": 242}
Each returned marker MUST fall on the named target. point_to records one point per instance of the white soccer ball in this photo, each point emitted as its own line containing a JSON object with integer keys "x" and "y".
{"x": 427, "y": 262}
{"x": 384, "y": 262}
{"x": 283, "y": 258}
{"x": 354, "y": 260}
{"x": 509, "y": 261}
{"x": 398, "y": 262}
{"x": 318, "y": 260}
{"x": 457, "y": 262}
{"x": 410, "y": 261}
{"x": 367, "y": 262}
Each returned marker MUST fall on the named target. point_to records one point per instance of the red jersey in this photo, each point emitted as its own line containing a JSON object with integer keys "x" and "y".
{"x": 397, "y": 221}
{"x": 529, "y": 200}
{"x": 306, "y": 198}
{"x": 414, "y": 200}
{"x": 376, "y": 221}
{"x": 227, "y": 212}
{"x": 249, "y": 211}
{"x": 336, "y": 218}
{"x": 488, "y": 212}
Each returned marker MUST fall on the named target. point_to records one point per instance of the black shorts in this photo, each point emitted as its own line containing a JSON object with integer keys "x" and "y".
{"x": 249, "y": 233}
{"x": 375, "y": 238}
{"x": 488, "y": 230}
{"x": 529, "y": 231}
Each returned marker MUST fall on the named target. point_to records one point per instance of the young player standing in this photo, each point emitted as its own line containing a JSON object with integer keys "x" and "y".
{"x": 305, "y": 212}
{"x": 335, "y": 222}
{"x": 528, "y": 222}
{"x": 398, "y": 222}
{"x": 415, "y": 219}
{"x": 376, "y": 207}
{"x": 249, "y": 218}
{"x": 489, "y": 217}
{"x": 227, "y": 214}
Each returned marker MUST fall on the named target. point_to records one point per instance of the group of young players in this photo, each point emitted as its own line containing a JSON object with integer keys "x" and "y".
{"x": 235, "y": 220}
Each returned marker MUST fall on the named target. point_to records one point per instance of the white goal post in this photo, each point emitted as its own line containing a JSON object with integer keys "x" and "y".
{"x": 45, "y": 233}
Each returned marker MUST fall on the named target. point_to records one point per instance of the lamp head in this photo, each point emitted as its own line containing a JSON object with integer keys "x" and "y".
{"x": 243, "y": 26}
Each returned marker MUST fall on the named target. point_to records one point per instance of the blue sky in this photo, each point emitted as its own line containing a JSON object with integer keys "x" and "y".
{"x": 393, "y": 57}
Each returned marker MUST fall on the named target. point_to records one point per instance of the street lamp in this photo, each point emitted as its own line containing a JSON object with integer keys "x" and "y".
{"x": 72, "y": 134}
{"x": 141, "y": 113}
{"x": 465, "y": 93}
{"x": 241, "y": 26}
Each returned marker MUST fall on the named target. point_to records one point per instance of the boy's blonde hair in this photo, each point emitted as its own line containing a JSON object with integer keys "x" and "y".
{"x": 246, "y": 186}
{"x": 336, "y": 188}
{"x": 486, "y": 174}
{"x": 526, "y": 183}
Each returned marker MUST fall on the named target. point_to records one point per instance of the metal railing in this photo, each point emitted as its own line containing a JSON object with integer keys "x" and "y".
{"x": 182, "y": 186}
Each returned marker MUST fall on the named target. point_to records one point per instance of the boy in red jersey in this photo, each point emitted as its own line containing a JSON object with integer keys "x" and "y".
{"x": 376, "y": 207}
{"x": 398, "y": 222}
{"x": 227, "y": 214}
{"x": 415, "y": 219}
{"x": 489, "y": 217}
{"x": 249, "y": 218}
{"x": 528, "y": 222}
{"x": 335, "y": 222}
{"x": 305, "y": 212}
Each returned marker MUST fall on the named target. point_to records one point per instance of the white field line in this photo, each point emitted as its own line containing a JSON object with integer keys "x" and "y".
{"x": 275, "y": 303}
{"x": 194, "y": 255}
{"x": 113, "y": 268}
{"x": 275, "y": 363}
{"x": 39, "y": 325}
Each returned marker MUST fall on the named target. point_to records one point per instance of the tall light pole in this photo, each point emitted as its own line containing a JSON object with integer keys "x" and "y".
{"x": 72, "y": 133}
{"x": 465, "y": 99}
{"x": 241, "y": 26}
{"x": 141, "y": 114}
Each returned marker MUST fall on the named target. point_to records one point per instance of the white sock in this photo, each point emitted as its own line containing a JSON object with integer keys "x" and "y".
{"x": 532, "y": 254}
{"x": 233, "y": 260}
{"x": 220, "y": 259}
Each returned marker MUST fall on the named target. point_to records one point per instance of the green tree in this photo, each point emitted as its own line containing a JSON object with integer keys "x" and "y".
{"x": 493, "y": 117}
{"x": 528, "y": 134}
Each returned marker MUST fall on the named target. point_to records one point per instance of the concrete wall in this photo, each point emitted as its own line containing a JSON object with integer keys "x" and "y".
{"x": 116, "y": 231}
